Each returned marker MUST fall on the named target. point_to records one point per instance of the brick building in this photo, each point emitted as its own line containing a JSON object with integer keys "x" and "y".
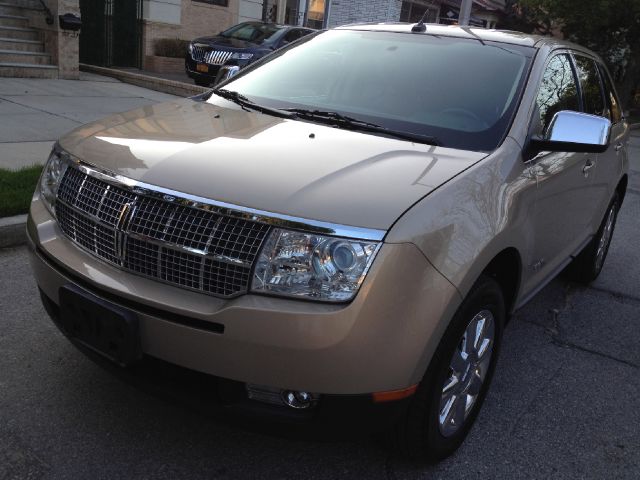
{"x": 124, "y": 32}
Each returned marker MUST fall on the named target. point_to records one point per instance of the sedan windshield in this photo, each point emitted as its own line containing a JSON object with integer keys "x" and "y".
{"x": 251, "y": 32}
{"x": 455, "y": 92}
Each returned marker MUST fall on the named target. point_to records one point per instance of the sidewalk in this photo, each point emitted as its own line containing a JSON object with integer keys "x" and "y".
{"x": 34, "y": 113}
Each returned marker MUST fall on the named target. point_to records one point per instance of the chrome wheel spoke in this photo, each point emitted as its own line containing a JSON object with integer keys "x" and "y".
{"x": 451, "y": 385}
{"x": 467, "y": 371}
{"x": 475, "y": 384}
{"x": 460, "y": 411}
{"x": 459, "y": 362}
{"x": 447, "y": 410}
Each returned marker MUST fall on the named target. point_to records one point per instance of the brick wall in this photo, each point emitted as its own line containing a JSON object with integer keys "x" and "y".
{"x": 197, "y": 19}
{"x": 360, "y": 11}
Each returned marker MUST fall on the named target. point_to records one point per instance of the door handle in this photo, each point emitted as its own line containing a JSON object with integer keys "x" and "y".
{"x": 588, "y": 166}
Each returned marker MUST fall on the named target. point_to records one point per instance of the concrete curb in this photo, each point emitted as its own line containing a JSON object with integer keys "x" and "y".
{"x": 172, "y": 87}
{"x": 13, "y": 231}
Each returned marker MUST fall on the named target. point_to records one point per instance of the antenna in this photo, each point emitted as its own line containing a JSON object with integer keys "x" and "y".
{"x": 420, "y": 27}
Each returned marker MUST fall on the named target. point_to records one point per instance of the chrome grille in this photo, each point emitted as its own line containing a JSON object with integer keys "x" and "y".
{"x": 217, "y": 57}
{"x": 198, "y": 52}
{"x": 162, "y": 239}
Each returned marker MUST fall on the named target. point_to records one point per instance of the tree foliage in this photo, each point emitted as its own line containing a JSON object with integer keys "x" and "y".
{"x": 609, "y": 27}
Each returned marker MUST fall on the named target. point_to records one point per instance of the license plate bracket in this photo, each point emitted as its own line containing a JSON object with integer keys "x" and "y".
{"x": 202, "y": 67}
{"x": 103, "y": 327}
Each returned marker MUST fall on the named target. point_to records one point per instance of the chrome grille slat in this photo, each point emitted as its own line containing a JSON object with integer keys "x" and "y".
{"x": 199, "y": 52}
{"x": 217, "y": 57}
{"x": 161, "y": 239}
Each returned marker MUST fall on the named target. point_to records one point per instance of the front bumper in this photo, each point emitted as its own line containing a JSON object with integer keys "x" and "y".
{"x": 381, "y": 341}
{"x": 190, "y": 70}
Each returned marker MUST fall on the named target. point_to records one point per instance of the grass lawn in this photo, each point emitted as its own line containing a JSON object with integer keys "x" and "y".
{"x": 16, "y": 189}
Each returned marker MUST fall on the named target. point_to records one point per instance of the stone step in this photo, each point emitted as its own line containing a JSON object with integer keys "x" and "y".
{"x": 10, "y": 9}
{"x": 32, "y": 58}
{"x": 30, "y": 4}
{"x": 21, "y": 70}
{"x": 21, "y": 45}
{"x": 20, "y": 33}
{"x": 14, "y": 21}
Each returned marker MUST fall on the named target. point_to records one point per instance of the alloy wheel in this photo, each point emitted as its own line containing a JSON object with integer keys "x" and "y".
{"x": 467, "y": 372}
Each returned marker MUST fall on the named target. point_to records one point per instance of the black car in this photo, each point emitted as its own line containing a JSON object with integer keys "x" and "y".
{"x": 240, "y": 45}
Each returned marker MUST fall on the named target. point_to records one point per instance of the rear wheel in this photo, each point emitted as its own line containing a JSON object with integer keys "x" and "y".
{"x": 452, "y": 391}
{"x": 586, "y": 267}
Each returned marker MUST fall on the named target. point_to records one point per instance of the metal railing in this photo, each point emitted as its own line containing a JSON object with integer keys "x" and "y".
{"x": 47, "y": 12}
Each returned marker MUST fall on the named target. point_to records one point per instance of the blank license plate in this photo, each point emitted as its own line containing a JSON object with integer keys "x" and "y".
{"x": 105, "y": 328}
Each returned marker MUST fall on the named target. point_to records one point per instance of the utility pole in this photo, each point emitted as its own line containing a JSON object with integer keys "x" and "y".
{"x": 465, "y": 13}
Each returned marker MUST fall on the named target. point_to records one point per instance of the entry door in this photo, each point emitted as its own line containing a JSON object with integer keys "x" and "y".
{"x": 111, "y": 32}
{"x": 565, "y": 200}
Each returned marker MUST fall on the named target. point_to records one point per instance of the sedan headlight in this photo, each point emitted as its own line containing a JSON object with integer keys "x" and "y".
{"x": 316, "y": 267}
{"x": 242, "y": 56}
{"x": 52, "y": 175}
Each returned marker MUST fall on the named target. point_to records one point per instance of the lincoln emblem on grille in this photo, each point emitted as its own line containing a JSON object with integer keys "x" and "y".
{"x": 121, "y": 226}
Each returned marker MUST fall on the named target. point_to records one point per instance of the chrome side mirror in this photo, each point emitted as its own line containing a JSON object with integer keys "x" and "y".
{"x": 574, "y": 127}
{"x": 573, "y": 132}
{"x": 226, "y": 72}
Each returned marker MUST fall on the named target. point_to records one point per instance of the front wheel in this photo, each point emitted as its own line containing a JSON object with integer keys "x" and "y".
{"x": 452, "y": 391}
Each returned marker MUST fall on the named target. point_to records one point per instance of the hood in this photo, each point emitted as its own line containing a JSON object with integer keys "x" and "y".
{"x": 291, "y": 167}
{"x": 225, "y": 42}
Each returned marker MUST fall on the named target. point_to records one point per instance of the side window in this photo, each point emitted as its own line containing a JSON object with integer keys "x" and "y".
{"x": 292, "y": 36}
{"x": 558, "y": 90}
{"x": 613, "y": 104}
{"x": 591, "y": 87}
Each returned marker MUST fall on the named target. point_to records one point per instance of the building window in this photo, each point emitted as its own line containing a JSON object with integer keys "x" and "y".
{"x": 222, "y": 3}
{"x": 413, "y": 11}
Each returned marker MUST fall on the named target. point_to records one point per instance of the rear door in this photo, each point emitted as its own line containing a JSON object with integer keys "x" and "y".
{"x": 565, "y": 200}
{"x": 607, "y": 169}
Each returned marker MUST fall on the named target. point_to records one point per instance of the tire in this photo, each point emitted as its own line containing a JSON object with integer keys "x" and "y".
{"x": 586, "y": 267}
{"x": 421, "y": 435}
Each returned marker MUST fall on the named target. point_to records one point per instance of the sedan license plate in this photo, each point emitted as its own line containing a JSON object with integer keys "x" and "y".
{"x": 201, "y": 67}
{"x": 101, "y": 326}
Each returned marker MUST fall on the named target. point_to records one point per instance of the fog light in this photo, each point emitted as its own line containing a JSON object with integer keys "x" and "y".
{"x": 298, "y": 400}
{"x": 277, "y": 396}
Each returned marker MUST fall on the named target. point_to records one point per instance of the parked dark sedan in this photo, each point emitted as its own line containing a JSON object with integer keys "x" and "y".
{"x": 240, "y": 45}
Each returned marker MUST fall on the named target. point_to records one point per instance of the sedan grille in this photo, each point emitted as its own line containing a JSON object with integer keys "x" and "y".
{"x": 199, "y": 52}
{"x": 157, "y": 238}
{"x": 217, "y": 57}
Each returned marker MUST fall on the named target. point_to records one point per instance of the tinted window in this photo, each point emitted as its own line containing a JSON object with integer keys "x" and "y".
{"x": 590, "y": 85}
{"x": 251, "y": 32}
{"x": 613, "y": 104}
{"x": 558, "y": 90}
{"x": 461, "y": 91}
{"x": 293, "y": 35}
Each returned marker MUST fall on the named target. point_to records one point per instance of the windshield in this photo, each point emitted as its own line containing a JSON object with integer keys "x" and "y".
{"x": 251, "y": 32}
{"x": 461, "y": 92}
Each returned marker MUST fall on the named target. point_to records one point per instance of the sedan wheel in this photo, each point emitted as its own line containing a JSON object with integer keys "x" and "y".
{"x": 467, "y": 372}
{"x": 448, "y": 399}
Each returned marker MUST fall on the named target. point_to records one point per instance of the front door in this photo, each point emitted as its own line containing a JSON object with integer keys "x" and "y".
{"x": 565, "y": 201}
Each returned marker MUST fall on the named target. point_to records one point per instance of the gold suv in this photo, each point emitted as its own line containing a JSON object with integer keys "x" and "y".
{"x": 342, "y": 228}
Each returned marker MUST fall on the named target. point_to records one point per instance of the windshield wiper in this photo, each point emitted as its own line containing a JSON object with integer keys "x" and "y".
{"x": 351, "y": 123}
{"x": 248, "y": 105}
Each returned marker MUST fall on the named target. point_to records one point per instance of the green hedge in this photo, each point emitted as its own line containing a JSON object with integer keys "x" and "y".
{"x": 16, "y": 189}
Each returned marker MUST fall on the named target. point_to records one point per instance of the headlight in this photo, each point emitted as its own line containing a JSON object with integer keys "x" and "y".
{"x": 52, "y": 176}
{"x": 316, "y": 267}
{"x": 242, "y": 56}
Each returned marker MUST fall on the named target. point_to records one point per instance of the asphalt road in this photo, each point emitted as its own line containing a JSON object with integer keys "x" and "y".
{"x": 565, "y": 401}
